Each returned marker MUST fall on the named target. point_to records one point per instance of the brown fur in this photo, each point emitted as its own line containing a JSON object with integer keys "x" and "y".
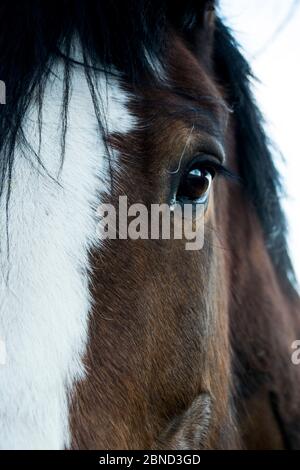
{"x": 187, "y": 349}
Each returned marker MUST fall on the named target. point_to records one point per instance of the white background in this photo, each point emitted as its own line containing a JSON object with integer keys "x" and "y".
{"x": 276, "y": 64}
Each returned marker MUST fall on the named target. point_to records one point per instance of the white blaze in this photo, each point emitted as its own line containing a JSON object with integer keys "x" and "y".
{"x": 44, "y": 296}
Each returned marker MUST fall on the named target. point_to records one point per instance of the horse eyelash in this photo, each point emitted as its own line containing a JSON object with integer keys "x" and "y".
{"x": 221, "y": 170}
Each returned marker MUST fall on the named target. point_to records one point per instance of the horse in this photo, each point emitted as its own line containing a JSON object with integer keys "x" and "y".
{"x": 139, "y": 344}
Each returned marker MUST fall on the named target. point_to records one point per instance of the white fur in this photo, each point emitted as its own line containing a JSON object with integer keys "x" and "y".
{"x": 44, "y": 296}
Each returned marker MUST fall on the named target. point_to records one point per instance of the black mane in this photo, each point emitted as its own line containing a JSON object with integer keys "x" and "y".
{"x": 259, "y": 174}
{"x": 123, "y": 35}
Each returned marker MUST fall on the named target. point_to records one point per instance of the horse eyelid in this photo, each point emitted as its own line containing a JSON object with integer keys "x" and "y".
{"x": 227, "y": 173}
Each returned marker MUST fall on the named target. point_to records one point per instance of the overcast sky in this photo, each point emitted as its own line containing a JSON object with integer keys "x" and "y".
{"x": 278, "y": 69}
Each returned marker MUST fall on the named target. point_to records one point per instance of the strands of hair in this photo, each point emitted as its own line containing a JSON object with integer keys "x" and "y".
{"x": 127, "y": 37}
{"x": 257, "y": 169}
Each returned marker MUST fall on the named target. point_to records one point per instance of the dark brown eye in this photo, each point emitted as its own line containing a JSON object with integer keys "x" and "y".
{"x": 195, "y": 185}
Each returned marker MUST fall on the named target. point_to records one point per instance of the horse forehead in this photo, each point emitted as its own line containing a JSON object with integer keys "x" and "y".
{"x": 111, "y": 98}
{"x": 185, "y": 90}
{"x": 191, "y": 70}
{"x": 182, "y": 81}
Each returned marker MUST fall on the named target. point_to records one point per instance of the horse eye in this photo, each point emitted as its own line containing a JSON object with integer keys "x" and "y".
{"x": 195, "y": 185}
